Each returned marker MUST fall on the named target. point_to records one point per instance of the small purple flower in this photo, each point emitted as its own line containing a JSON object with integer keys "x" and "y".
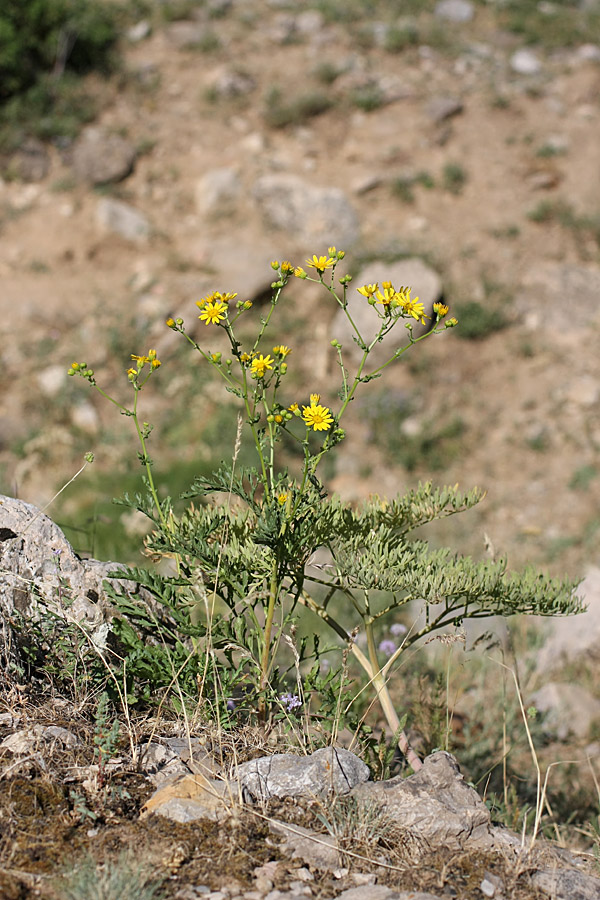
{"x": 387, "y": 647}
{"x": 397, "y": 629}
{"x": 231, "y": 705}
{"x": 290, "y": 701}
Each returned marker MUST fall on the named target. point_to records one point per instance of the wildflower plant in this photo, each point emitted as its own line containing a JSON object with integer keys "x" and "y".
{"x": 243, "y": 567}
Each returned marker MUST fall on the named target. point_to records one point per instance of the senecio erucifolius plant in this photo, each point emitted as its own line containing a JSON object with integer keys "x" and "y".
{"x": 250, "y": 559}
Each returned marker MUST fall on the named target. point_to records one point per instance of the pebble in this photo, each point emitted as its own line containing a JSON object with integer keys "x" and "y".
{"x": 457, "y": 11}
{"x": 525, "y": 62}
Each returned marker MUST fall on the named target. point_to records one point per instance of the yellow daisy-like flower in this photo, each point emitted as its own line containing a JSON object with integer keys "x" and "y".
{"x": 299, "y": 272}
{"x": 287, "y": 266}
{"x": 204, "y": 300}
{"x": 224, "y": 298}
{"x": 317, "y": 417}
{"x": 213, "y": 312}
{"x": 320, "y": 263}
{"x": 368, "y": 290}
{"x": 260, "y": 365}
{"x": 245, "y": 357}
{"x": 131, "y": 374}
{"x": 282, "y": 497}
{"x": 293, "y": 407}
{"x": 414, "y": 307}
{"x": 314, "y": 399}
{"x": 156, "y": 363}
{"x": 440, "y": 309}
{"x": 386, "y": 295}
{"x": 282, "y": 350}
{"x": 140, "y": 360}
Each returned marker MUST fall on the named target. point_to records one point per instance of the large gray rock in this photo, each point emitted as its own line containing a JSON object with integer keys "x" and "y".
{"x": 287, "y": 775}
{"x": 218, "y": 191}
{"x": 317, "y": 215}
{"x": 40, "y": 571}
{"x": 425, "y": 283}
{"x": 568, "y": 884}
{"x": 100, "y": 158}
{"x": 560, "y": 298}
{"x": 435, "y": 805}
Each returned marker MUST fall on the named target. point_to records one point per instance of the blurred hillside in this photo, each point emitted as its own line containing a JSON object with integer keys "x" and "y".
{"x": 227, "y": 133}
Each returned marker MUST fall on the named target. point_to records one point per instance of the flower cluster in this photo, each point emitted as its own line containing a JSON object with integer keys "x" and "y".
{"x": 290, "y": 701}
{"x": 215, "y": 308}
{"x": 392, "y": 299}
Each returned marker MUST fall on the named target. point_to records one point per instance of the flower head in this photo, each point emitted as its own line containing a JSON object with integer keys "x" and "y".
{"x": 440, "y": 309}
{"x": 260, "y": 365}
{"x": 320, "y": 263}
{"x": 386, "y": 294}
{"x": 299, "y": 272}
{"x": 317, "y": 417}
{"x": 213, "y": 312}
{"x": 282, "y": 497}
{"x": 368, "y": 290}
{"x": 290, "y": 701}
{"x": 412, "y": 307}
{"x": 387, "y": 647}
{"x": 282, "y": 350}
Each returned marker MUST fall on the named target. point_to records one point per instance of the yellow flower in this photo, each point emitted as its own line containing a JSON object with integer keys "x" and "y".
{"x": 282, "y": 350}
{"x": 156, "y": 363}
{"x": 450, "y": 323}
{"x": 131, "y": 374}
{"x": 299, "y": 272}
{"x": 260, "y": 365}
{"x": 170, "y": 322}
{"x": 440, "y": 309}
{"x": 320, "y": 263}
{"x": 140, "y": 359}
{"x": 275, "y": 264}
{"x": 202, "y": 303}
{"x": 368, "y": 290}
{"x": 388, "y": 294}
{"x": 317, "y": 417}
{"x": 75, "y": 366}
{"x": 314, "y": 399}
{"x": 282, "y": 497}
{"x": 245, "y": 357}
{"x": 287, "y": 266}
{"x": 293, "y": 407}
{"x": 223, "y": 298}
{"x": 414, "y": 307}
{"x": 278, "y": 418}
{"x": 213, "y": 313}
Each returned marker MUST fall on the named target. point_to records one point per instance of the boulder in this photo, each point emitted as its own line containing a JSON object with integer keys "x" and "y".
{"x": 101, "y": 158}
{"x": 122, "y": 219}
{"x": 287, "y": 775}
{"x": 317, "y": 215}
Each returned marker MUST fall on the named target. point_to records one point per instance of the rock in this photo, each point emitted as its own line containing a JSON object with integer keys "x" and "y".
{"x": 84, "y": 416}
{"x": 30, "y": 739}
{"x": 229, "y": 83}
{"x": 574, "y": 637}
{"x": 320, "y": 851}
{"x": 457, "y": 11}
{"x": 100, "y": 158}
{"x": 40, "y": 571}
{"x": 170, "y": 759}
{"x": 568, "y": 884}
{"x": 288, "y": 775}
{"x": 381, "y": 892}
{"x": 435, "y": 805}
{"x": 189, "y": 798}
{"x": 569, "y": 709}
{"x": 426, "y": 284}
{"x": 31, "y": 162}
{"x": 139, "y": 32}
{"x": 51, "y": 380}
{"x": 441, "y": 108}
{"x": 183, "y": 35}
{"x": 319, "y": 216}
{"x": 122, "y": 219}
{"x": 525, "y": 62}
{"x": 540, "y": 302}
{"x": 218, "y": 191}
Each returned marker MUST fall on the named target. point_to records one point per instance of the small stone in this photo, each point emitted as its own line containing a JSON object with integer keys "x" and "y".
{"x": 525, "y": 62}
{"x": 139, "y": 32}
{"x": 441, "y": 108}
{"x": 304, "y": 874}
{"x": 101, "y": 158}
{"x": 85, "y": 417}
{"x": 218, "y": 191}
{"x": 457, "y": 11}
{"x": 51, "y": 380}
{"x": 122, "y": 219}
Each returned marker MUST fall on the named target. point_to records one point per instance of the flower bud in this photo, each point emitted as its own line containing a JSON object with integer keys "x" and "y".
{"x": 283, "y": 368}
